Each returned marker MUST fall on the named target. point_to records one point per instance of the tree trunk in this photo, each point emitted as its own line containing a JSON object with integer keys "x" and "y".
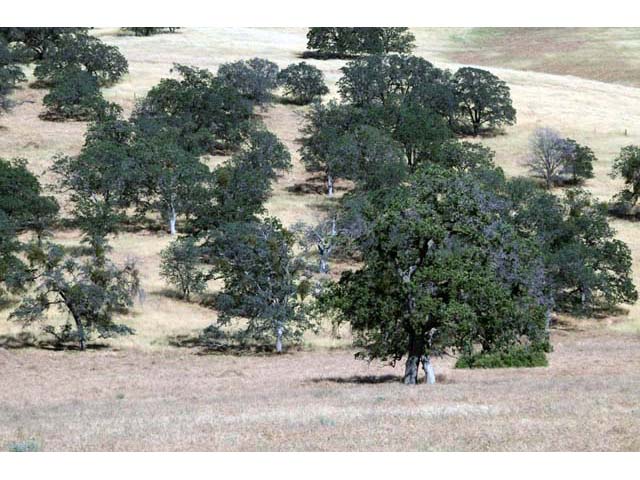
{"x": 330, "y": 185}
{"x": 428, "y": 369}
{"x": 324, "y": 265}
{"x": 411, "y": 370}
{"x": 172, "y": 221}
{"x": 279, "y": 331}
{"x": 81, "y": 337}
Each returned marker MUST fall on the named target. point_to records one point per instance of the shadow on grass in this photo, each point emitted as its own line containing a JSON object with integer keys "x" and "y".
{"x": 360, "y": 379}
{"x": 28, "y": 340}
{"x": 208, "y": 346}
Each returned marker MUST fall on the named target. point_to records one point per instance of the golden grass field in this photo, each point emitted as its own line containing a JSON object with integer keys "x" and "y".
{"x": 143, "y": 393}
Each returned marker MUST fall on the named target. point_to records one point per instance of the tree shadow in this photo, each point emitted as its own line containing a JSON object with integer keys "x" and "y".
{"x": 316, "y": 55}
{"x": 224, "y": 346}
{"x": 24, "y": 340}
{"x": 360, "y": 379}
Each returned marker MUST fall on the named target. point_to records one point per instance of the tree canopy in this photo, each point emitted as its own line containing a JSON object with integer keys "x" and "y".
{"x": 341, "y": 42}
{"x": 302, "y": 83}
{"x": 255, "y": 78}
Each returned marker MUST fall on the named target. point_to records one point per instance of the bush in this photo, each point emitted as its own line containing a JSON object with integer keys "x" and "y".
{"x": 179, "y": 267}
{"x": 302, "y": 83}
{"x": 30, "y": 445}
{"x": 518, "y": 357}
{"x": 75, "y": 94}
{"x": 254, "y": 79}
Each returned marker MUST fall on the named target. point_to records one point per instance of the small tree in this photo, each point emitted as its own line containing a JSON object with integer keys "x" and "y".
{"x": 148, "y": 31}
{"x": 579, "y": 163}
{"x": 91, "y": 292}
{"x": 548, "y": 153}
{"x": 263, "y": 281}
{"x": 483, "y": 99}
{"x": 10, "y": 74}
{"x": 255, "y": 78}
{"x": 173, "y": 178}
{"x": 344, "y": 41}
{"x": 302, "y": 83}
{"x": 103, "y": 62}
{"x": 180, "y": 267}
{"x": 627, "y": 166}
{"x": 322, "y": 236}
{"x": 74, "y": 95}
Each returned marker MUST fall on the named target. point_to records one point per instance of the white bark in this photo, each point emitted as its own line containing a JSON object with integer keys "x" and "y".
{"x": 279, "y": 332}
{"x": 172, "y": 220}
{"x": 428, "y": 370}
{"x": 330, "y": 185}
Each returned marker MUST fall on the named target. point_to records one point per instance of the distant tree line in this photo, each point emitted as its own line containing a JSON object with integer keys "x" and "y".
{"x": 343, "y": 42}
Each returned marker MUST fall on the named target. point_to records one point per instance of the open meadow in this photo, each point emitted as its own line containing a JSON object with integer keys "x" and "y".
{"x": 157, "y": 391}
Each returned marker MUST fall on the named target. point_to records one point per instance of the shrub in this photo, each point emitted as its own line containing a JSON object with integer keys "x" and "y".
{"x": 29, "y": 445}
{"x": 302, "y": 83}
{"x": 179, "y": 267}
{"x": 517, "y": 357}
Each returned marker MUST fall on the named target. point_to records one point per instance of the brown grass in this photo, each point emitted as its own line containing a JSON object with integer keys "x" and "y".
{"x": 322, "y": 400}
{"x": 144, "y": 394}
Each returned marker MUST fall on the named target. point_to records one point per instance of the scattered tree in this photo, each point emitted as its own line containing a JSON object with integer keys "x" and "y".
{"x": 548, "y": 153}
{"x": 627, "y": 166}
{"x": 438, "y": 275}
{"x": 21, "y": 198}
{"x": 38, "y": 40}
{"x": 148, "y": 31}
{"x": 103, "y": 62}
{"x": 341, "y": 42}
{"x": 255, "y": 78}
{"x": 302, "y": 83}
{"x": 579, "y": 164}
{"x": 263, "y": 281}
{"x": 483, "y": 99}
{"x": 75, "y": 94}
{"x": 90, "y": 291}
{"x": 10, "y": 74}
{"x": 204, "y": 113}
{"x": 180, "y": 267}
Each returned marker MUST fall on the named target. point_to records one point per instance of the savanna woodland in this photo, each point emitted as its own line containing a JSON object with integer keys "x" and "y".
{"x": 329, "y": 239}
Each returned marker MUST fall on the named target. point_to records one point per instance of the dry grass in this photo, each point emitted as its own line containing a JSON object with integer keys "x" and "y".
{"x": 176, "y": 400}
{"x": 144, "y": 394}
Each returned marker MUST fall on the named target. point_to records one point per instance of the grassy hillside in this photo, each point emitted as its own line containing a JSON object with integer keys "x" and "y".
{"x": 145, "y": 393}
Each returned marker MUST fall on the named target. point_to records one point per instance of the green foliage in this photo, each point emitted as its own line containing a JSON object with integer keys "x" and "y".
{"x": 204, "y": 113}
{"x": 91, "y": 291}
{"x": 173, "y": 180}
{"x": 341, "y": 42}
{"x": 75, "y": 94}
{"x": 442, "y": 269}
{"x": 483, "y": 99}
{"x": 180, "y": 267}
{"x": 579, "y": 164}
{"x": 14, "y": 274}
{"x": 148, "y": 31}
{"x": 517, "y": 357}
{"x": 255, "y": 79}
{"x": 21, "y": 198}
{"x": 264, "y": 281}
{"x": 302, "y": 83}
{"x": 587, "y": 267}
{"x": 627, "y": 166}
{"x": 10, "y": 74}
{"x": 38, "y": 41}
{"x": 84, "y": 52}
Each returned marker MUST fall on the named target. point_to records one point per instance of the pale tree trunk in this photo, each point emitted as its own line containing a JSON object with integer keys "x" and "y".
{"x": 324, "y": 265}
{"x": 330, "y": 185}
{"x": 279, "y": 331}
{"x": 411, "y": 370}
{"x": 428, "y": 369}
{"x": 172, "y": 220}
